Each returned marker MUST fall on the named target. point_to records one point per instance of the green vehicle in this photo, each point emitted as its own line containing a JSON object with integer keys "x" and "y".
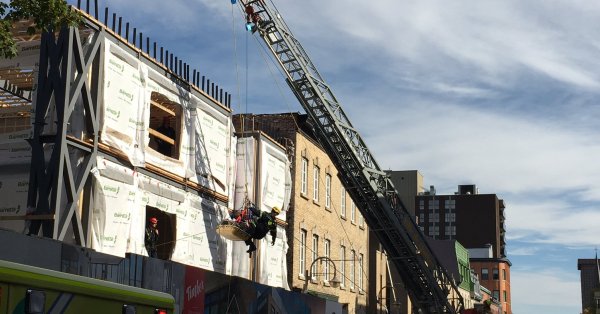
{"x": 29, "y": 290}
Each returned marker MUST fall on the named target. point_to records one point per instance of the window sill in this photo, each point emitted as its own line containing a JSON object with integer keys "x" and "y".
{"x": 316, "y": 203}
{"x": 328, "y": 208}
{"x": 304, "y": 196}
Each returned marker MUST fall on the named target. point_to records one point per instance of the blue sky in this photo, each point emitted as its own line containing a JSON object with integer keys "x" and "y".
{"x": 501, "y": 94}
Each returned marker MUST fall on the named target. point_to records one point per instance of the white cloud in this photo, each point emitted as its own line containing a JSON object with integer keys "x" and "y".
{"x": 545, "y": 288}
{"x": 523, "y": 251}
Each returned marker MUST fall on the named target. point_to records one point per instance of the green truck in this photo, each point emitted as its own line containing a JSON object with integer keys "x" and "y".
{"x": 27, "y": 289}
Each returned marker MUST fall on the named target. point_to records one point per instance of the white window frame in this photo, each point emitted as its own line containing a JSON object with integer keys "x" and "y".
{"x": 304, "y": 177}
{"x": 343, "y": 266}
{"x": 302, "y": 261}
{"x": 316, "y": 172}
{"x": 343, "y": 202}
{"x": 352, "y": 270}
{"x": 315, "y": 251}
{"x": 328, "y": 191}
{"x": 353, "y": 212}
{"x": 360, "y": 271}
{"x": 328, "y": 255}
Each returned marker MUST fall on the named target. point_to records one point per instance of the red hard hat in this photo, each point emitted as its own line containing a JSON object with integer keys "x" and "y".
{"x": 153, "y": 220}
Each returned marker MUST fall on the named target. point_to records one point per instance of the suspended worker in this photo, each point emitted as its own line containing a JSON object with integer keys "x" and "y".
{"x": 151, "y": 237}
{"x": 252, "y": 18}
{"x": 261, "y": 224}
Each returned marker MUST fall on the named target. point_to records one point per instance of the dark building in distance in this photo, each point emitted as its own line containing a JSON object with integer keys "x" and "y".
{"x": 477, "y": 222}
{"x": 590, "y": 284}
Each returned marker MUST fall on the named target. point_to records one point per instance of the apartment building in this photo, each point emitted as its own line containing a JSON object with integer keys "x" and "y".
{"x": 477, "y": 222}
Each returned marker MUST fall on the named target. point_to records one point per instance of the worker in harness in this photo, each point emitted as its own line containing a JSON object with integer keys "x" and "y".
{"x": 261, "y": 224}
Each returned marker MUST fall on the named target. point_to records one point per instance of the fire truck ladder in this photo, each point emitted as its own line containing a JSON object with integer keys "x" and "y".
{"x": 430, "y": 288}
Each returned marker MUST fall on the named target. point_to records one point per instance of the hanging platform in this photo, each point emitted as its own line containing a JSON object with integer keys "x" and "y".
{"x": 231, "y": 231}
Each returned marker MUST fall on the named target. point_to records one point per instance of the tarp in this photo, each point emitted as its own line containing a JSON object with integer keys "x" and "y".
{"x": 212, "y": 143}
{"x": 198, "y": 243}
{"x": 28, "y": 56}
{"x": 113, "y": 208}
{"x": 273, "y": 168}
{"x": 119, "y": 211}
{"x": 14, "y": 185}
{"x": 181, "y": 166}
{"x": 244, "y": 186}
{"x": 14, "y": 149}
{"x": 273, "y": 265}
{"x": 122, "y": 114}
{"x": 206, "y": 132}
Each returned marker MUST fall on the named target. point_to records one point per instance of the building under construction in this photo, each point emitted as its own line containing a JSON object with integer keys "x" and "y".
{"x": 102, "y": 130}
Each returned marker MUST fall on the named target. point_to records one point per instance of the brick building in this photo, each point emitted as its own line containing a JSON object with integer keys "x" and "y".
{"x": 322, "y": 218}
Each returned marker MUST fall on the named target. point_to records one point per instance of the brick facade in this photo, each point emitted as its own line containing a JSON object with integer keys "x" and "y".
{"x": 312, "y": 216}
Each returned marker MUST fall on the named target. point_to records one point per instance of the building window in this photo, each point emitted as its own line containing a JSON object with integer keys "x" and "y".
{"x": 328, "y": 255}
{"x": 434, "y": 217}
{"x": 504, "y": 296}
{"x": 360, "y": 271}
{"x": 302, "y": 252}
{"x": 327, "y": 191}
{"x": 434, "y": 230}
{"x": 496, "y": 295}
{"x": 450, "y": 230}
{"x": 343, "y": 201}
{"x": 352, "y": 212}
{"x": 343, "y": 265}
{"x": 316, "y": 171}
{"x": 485, "y": 274}
{"x": 304, "y": 177}
{"x": 495, "y": 274}
{"x": 352, "y": 270}
{"x": 315, "y": 251}
{"x": 165, "y": 125}
{"x": 361, "y": 221}
{"x": 503, "y": 274}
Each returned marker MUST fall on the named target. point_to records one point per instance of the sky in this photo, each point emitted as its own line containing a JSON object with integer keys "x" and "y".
{"x": 501, "y": 94}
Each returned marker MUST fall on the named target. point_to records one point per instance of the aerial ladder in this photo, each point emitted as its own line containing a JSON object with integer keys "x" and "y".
{"x": 428, "y": 284}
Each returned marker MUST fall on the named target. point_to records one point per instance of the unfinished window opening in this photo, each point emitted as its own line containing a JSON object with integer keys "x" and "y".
{"x": 165, "y": 125}
{"x": 167, "y": 230}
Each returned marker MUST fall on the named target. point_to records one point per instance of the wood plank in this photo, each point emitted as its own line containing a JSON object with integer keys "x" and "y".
{"x": 161, "y": 136}
{"x": 163, "y": 108}
{"x": 28, "y": 217}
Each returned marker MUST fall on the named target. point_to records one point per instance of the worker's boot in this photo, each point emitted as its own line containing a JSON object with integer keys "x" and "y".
{"x": 252, "y": 248}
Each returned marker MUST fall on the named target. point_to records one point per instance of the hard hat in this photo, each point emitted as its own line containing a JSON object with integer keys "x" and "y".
{"x": 276, "y": 209}
{"x": 153, "y": 220}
